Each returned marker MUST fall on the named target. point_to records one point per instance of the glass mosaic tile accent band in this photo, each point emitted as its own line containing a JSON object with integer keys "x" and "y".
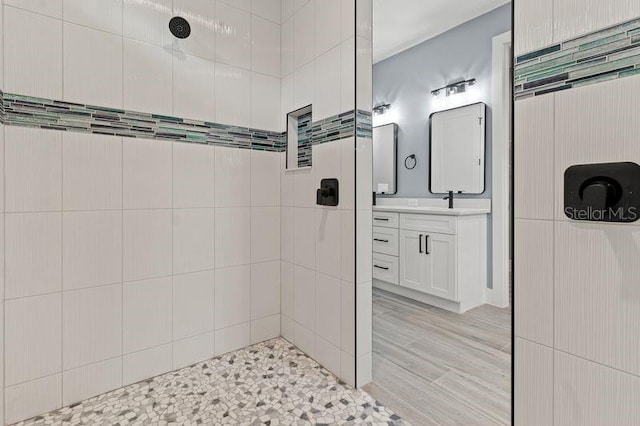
{"x": 27, "y": 111}
{"x": 600, "y": 56}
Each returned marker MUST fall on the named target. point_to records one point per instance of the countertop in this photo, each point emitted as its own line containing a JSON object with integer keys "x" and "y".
{"x": 457, "y": 211}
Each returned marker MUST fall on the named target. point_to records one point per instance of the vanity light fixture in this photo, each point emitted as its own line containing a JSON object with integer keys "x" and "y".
{"x": 454, "y": 88}
{"x": 381, "y": 109}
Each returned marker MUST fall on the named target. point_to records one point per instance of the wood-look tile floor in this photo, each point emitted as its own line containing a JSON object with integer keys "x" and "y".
{"x": 435, "y": 367}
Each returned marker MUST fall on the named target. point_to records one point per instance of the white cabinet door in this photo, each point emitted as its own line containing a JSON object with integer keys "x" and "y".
{"x": 413, "y": 260}
{"x": 440, "y": 266}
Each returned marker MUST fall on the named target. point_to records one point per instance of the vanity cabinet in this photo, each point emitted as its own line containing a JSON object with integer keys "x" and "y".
{"x": 435, "y": 256}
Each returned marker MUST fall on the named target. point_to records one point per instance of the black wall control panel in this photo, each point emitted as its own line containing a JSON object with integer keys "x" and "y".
{"x": 607, "y": 192}
{"x": 328, "y": 193}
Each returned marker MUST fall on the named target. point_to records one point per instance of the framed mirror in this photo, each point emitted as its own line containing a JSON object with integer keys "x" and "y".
{"x": 385, "y": 149}
{"x": 457, "y": 150}
{"x": 299, "y": 138}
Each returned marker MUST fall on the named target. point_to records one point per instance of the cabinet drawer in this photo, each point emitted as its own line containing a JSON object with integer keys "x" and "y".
{"x": 385, "y": 240}
{"x": 385, "y": 268}
{"x": 385, "y": 219}
{"x": 428, "y": 223}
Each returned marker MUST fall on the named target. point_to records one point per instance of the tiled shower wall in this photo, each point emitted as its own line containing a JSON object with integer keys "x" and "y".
{"x": 318, "y": 276}
{"x": 576, "y": 284}
{"x": 125, "y": 258}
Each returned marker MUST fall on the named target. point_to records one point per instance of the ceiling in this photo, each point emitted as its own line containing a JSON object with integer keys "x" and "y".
{"x": 401, "y": 24}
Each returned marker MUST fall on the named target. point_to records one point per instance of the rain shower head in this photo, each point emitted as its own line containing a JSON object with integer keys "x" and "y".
{"x": 179, "y": 27}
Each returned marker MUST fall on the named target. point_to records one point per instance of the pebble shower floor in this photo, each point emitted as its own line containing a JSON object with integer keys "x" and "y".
{"x": 271, "y": 383}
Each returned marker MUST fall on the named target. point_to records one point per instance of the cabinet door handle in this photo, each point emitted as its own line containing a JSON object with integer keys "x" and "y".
{"x": 379, "y": 240}
{"x": 381, "y": 218}
{"x": 380, "y": 267}
{"x": 420, "y": 243}
{"x": 426, "y": 245}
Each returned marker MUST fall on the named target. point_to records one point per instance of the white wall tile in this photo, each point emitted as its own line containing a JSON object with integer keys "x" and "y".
{"x": 589, "y": 393}
{"x": 304, "y": 297}
{"x": 348, "y": 15}
{"x": 200, "y": 15}
{"x": 2, "y": 145}
{"x": 304, "y": 28}
{"x": 91, "y": 172}
{"x": 193, "y": 304}
{"x": 364, "y": 78}
{"x": 328, "y": 86}
{"x": 144, "y": 364}
{"x": 364, "y": 18}
{"x": 348, "y": 245}
{"x": 52, "y": 8}
{"x": 304, "y": 188}
{"x": 239, "y": 4}
{"x": 533, "y": 25}
{"x": 32, "y": 52}
{"x": 534, "y": 274}
{"x": 265, "y": 290}
{"x": 304, "y": 86}
{"x": 304, "y": 237}
{"x": 265, "y": 328}
{"x": 193, "y": 240}
{"x": 232, "y": 338}
{"x": 265, "y": 50}
{"x": 347, "y": 174}
{"x": 265, "y": 234}
{"x": 348, "y": 368}
{"x": 193, "y": 175}
{"x": 147, "y": 78}
{"x": 193, "y": 87}
{"x": 328, "y": 309}
{"x": 534, "y": 174}
{"x": 232, "y": 297}
{"x": 146, "y": 244}
{"x": 288, "y": 9}
{"x": 146, "y": 314}
{"x": 33, "y": 169}
{"x": 233, "y": 95}
{"x": 146, "y": 174}
{"x": 92, "y": 66}
{"x": 233, "y": 177}
{"x": 32, "y": 398}
{"x": 287, "y": 328}
{"x": 329, "y": 241}
{"x": 286, "y": 289}
{"x": 92, "y": 249}
{"x": 286, "y": 183}
{"x": 33, "y": 338}
{"x": 327, "y": 355}
{"x": 192, "y": 350}
{"x": 91, "y": 325}
{"x": 327, "y": 25}
{"x": 265, "y": 96}
{"x": 33, "y": 254}
{"x": 147, "y": 21}
{"x": 533, "y": 375}
{"x": 287, "y": 63}
{"x": 233, "y": 40}
{"x": 363, "y": 318}
{"x": 265, "y": 178}
{"x": 363, "y": 242}
{"x": 587, "y": 119}
{"x": 364, "y": 369}
{"x": 347, "y": 75}
{"x": 268, "y": 9}
{"x": 233, "y": 237}
{"x": 91, "y": 380}
{"x": 595, "y": 283}
{"x": 572, "y": 18}
{"x": 347, "y": 324}
{"x": 327, "y": 161}
{"x": 304, "y": 340}
{"x": 99, "y": 14}
{"x": 287, "y": 233}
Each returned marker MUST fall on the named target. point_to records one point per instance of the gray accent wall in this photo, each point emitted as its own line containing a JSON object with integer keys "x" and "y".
{"x": 405, "y": 81}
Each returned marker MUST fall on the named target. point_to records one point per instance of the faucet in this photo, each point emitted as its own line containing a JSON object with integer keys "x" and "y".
{"x": 450, "y": 198}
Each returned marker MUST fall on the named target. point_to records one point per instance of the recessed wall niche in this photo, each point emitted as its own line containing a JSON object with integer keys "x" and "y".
{"x": 299, "y": 138}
